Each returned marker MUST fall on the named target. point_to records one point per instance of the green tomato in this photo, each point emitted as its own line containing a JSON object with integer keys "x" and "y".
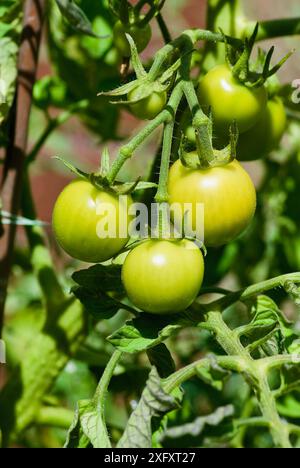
{"x": 79, "y": 224}
{"x": 226, "y": 192}
{"x": 149, "y": 107}
{"x": 141, "y": 37}
{"x": 162, "y": 276}
{"x": 230, "y": 100}
{"x": 266, "y": 135}
{"x": 50, "y": 91}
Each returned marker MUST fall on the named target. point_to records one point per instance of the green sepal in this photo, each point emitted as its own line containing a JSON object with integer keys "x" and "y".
{"x": 135, "y": 59}
{"x": 99, "y": 179}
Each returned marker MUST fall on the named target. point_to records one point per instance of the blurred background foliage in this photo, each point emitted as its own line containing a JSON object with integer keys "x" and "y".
{"x": 73, "y": 69}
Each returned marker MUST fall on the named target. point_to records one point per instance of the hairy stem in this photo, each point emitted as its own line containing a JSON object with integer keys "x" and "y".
{"x": 54, "y": 417}
{"x": 254, "y": 290}
{"x": 256, "y": 373}
{"x": 100, "y": 395}
{"x": 277, "y": 28}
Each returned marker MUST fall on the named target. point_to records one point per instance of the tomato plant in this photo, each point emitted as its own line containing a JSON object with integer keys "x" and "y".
{"x": 142, "y": 349}
{"x": 227, "y": 194}
{"x": 149, "y": 279}
{"x": 230, "y": 100}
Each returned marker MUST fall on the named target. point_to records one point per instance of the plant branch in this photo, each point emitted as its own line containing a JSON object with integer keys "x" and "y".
{"x": 276, "y": 28}
{"x": 251, "y": 291}
{"x": 100, "y": 395}
{"x": 54, "y": 417}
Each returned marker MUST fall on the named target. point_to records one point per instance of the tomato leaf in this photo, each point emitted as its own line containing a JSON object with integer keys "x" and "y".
{"x": 100, "y": 305}
{"x": 88, "y": 427}
{"x": 161, "y": 358}
{"x": 154, "y": 402}
{"x": 144, "y": 332}
{"x": 94, "y": 286}
{"x": 198, "y": 426}
{"x": 76, "y": 18}
{"x": 269, "y": 328}
{"x": 100, "y": 278}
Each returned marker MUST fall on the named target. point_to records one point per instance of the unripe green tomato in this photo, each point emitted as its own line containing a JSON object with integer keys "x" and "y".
{"x": 266, "y": 135}
{"x": 163, "y": 277}
{"x": 76, "y": 219}
{"x": 230, "y": 100}
{"x": 190, "y": 134}
{"x": 49, "y": 91}
{"x": 141, "y": 37}
{"x": 149, "y": 107}
{"x": 226, "y": 192}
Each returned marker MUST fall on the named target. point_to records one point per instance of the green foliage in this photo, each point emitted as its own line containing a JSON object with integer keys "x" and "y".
{"x": 10, "y": 28}
{"x": 77, "y": 58}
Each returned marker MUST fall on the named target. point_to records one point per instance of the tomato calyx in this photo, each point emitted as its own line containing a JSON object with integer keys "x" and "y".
{"x": 193, "y": 160}
{"x": 145, "y": 84}
{"x": 100, "y": 179}
{"x": 241, "y": 66}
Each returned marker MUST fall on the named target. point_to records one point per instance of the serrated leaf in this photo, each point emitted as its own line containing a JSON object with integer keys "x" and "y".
{"x": 88, "y": 427}
{"x": 154, "y": 402}
{"x": 100, "y": 305}
{"x": 77, "y": 18}
{"x": 100, "y": 278}
{"x": 197, "y": 427}
{"x": 75, "y": 436}
{"x": 212, "y": 374}
{"x": 268, "y": 328}
{"x": 94, "y": 289}
{"x": 144, "y": 332}
{"x": 160, "y": 357}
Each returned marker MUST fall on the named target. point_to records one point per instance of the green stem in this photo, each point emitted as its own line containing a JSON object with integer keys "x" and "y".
{"x": 256, "y": 373}
{"x": 276, "y": 28}
{"x": 127, "y": 151}
{"x": 226, "y": 337}
{"x": 202, "y": 125}
{"x": 233, "y": 363}
{"x": 239, "y": 360}
{"x": 252, "y": 422}
{"x": 162, "y": 192}
{"x": 52, "y": 125}
{"x": 193, "y": 36}
{"x": 254, "y": 290}
{"x": 100, "y": 395}
{"x": 267, "y": 402}
{"x": 54, "y": 417}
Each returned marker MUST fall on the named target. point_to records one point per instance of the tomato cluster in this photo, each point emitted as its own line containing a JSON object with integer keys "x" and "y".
{"x": 164, "y": 275}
